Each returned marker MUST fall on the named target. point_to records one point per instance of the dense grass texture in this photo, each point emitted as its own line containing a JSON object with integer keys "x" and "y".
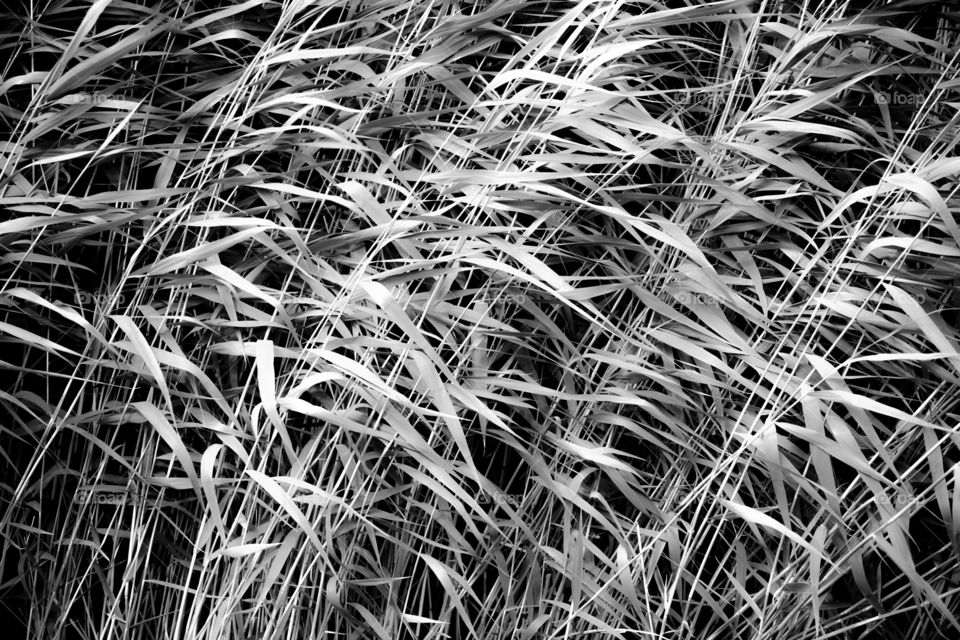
{"x": 502, "y": 319}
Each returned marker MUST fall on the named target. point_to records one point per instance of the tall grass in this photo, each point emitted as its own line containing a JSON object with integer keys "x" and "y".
{"x": 480, "y": 320}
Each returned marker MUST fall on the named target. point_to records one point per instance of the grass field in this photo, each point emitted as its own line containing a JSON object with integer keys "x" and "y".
{"x": 508, "y": 319}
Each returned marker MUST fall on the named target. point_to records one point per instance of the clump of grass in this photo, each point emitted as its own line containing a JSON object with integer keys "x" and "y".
{"x": 521, "y": 320}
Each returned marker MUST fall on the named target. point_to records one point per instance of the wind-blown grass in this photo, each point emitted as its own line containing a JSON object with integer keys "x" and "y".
{"x": 494, "y": 320}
